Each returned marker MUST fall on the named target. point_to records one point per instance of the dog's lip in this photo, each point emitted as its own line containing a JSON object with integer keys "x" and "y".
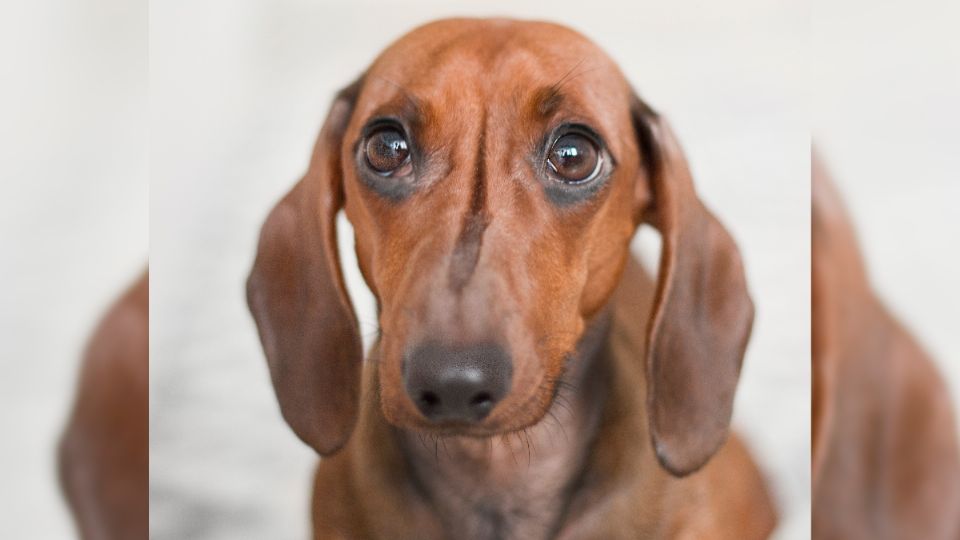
{"x": 463, "y": 429}
{"x": 482, "y": 429}
{"x": 457, "y": 429}
{"x": 497, "y": 423}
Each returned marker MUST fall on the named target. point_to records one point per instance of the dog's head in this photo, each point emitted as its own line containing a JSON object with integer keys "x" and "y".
{"x": 494, "y": 172}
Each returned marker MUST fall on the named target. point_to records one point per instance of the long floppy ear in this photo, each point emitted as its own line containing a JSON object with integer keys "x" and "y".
{"x": 702, "y": 314}
{"x": 838, "y": 282}
{"x": 297, "y": 296}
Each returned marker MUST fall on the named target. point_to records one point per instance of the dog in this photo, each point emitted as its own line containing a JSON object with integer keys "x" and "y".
{"x": 529, "y": 379}
{"x": 104, "y": 450}
{"x": 884, "y": 448}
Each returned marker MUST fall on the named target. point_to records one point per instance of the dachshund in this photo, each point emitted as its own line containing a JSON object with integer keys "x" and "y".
{"x": 884, "y": 446}
{"x": 529, "y": 380}
{"x": 103, "y": 452}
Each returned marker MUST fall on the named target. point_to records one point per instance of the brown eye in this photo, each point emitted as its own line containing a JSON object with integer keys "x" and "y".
{"x": 386, "y": 150}
{"x": 574, "y": 158}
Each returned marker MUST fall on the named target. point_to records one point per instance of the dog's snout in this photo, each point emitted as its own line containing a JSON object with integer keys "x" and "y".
{"x": 457, "y": 383}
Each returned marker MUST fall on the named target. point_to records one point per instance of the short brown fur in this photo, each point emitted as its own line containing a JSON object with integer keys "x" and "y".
{"x": 104, "y": 450}
{"x": 885, "y": 458}
{"x": 622, "y": 388}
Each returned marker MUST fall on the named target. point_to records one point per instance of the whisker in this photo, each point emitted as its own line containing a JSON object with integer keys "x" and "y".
{"x": 557, "y": 85}
{"x": 561, "y": 402}
{"x": 506, "y": 442}
{"x": 563, "y": 429}
{"x": 571, "y": 76}
{"x": 529, "y": 443}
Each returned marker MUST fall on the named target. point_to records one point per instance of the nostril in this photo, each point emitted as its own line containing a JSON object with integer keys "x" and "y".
{"x": 481, "y": 404}
{"x": 429, "y": 401}
{"x": 483, "y": 398}
{"x": 449, "y": 383}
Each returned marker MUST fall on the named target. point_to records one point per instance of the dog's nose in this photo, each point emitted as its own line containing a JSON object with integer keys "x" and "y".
{"x": 457, "y": 383}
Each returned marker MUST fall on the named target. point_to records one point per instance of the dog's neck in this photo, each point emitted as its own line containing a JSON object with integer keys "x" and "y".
{"x": 516, "y": 485}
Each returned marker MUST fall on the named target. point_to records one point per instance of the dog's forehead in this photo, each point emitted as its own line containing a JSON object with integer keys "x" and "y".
{"x": 492, "y": 60}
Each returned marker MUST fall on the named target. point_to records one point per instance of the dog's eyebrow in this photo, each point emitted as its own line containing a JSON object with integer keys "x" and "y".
{"x": 547, "y": 99}
{"x": 416, "y": 114}
{"x": 406, "y": 93}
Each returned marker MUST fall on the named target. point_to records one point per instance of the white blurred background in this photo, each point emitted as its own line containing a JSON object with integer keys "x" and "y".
{"x": 73, "y": 222}
{"x": 886, "y": 120}
{"x": 238, "y": 92}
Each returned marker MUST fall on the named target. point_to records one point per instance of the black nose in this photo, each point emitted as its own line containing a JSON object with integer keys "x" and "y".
{"x": 457, "y": 383}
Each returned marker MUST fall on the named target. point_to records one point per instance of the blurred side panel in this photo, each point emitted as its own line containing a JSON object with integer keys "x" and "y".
{"x": 885, "y": 458}
{"x": 73, "y": 223}
{"x": 886, "y": 300}
{"x": 104, "y": 453}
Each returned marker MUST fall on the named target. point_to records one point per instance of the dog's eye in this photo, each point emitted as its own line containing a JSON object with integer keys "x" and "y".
{"x": 387, "y": 152}
{"x": 574, "y": 158}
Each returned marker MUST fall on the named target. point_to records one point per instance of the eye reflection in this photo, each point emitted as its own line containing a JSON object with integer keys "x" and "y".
{"x": 574, "y": 158}
{"x": 387, "y": 152}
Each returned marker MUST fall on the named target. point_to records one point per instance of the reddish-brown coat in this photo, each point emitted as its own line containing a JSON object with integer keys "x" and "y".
{"x": 885, "y": 458}
{"x": 104, "y": 450}
{"x": 654, "y": 367}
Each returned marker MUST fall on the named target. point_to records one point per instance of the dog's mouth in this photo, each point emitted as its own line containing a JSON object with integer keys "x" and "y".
{"x": 458, "y": 429}
{"x": 515, "y": 412}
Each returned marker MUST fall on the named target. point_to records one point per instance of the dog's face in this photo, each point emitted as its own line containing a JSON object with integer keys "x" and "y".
{"x": 490, "y": 172}
{"x": 494, "y": 172}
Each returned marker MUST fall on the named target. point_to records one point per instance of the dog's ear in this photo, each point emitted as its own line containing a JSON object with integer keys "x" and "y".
{"x": 838, "y": 277}
{"x": 298, "y": 299}
{"x": 702, "y": 313}
{"x": 823, "y": 350}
